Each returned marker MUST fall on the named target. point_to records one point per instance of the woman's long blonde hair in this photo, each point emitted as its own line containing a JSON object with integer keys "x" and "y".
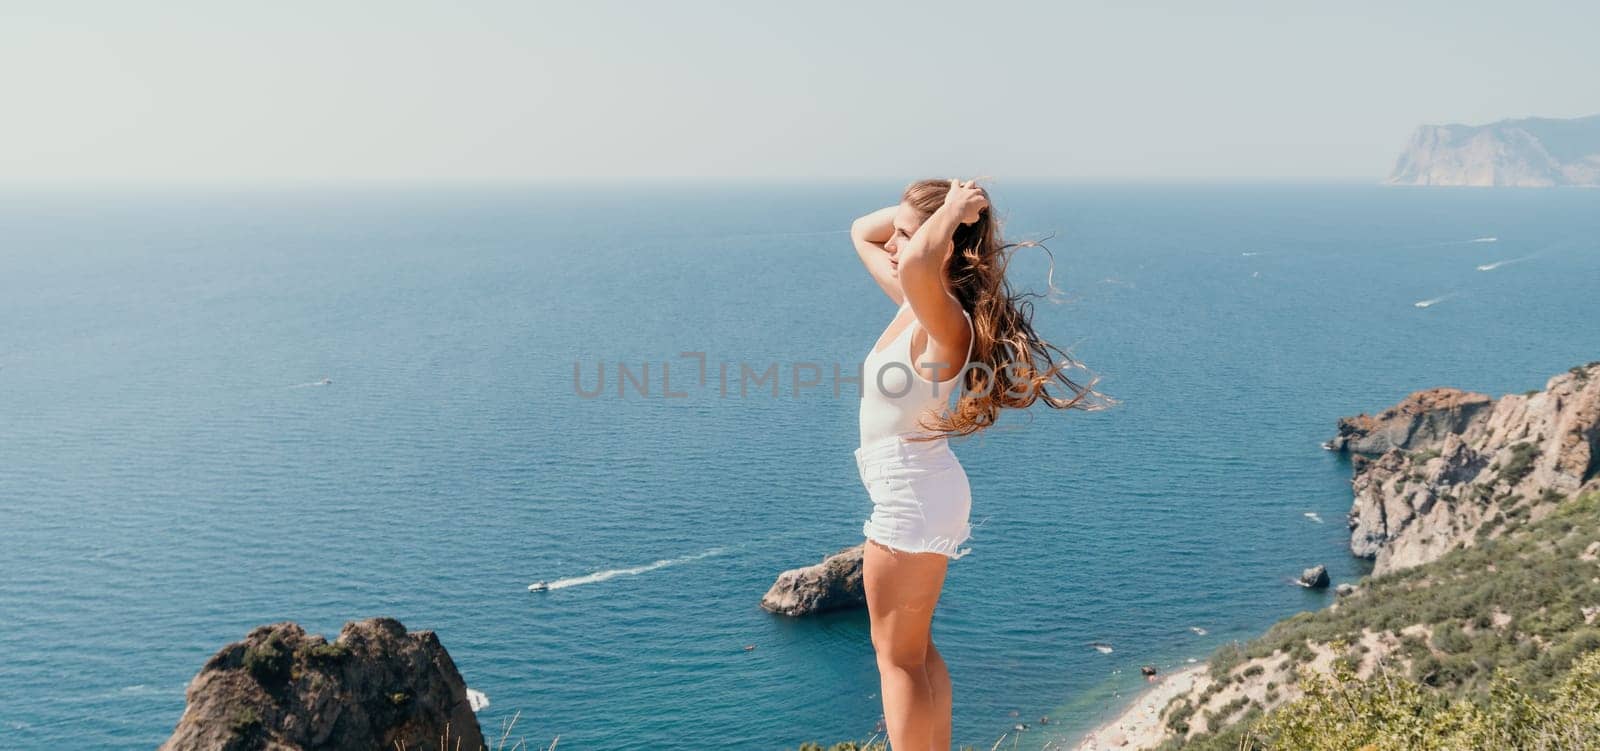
{"x": 1022, "y": 368}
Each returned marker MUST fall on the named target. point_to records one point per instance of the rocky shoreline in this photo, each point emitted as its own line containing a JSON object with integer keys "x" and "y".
{"x": 1442, "y": 470}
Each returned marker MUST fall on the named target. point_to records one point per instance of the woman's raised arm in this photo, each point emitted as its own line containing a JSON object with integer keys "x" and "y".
{"x": 868, "y": 234}
{"x": 922, "y": 268}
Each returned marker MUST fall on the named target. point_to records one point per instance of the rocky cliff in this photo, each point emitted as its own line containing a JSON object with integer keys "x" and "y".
{"x": 1445, "y": 468}
{"x": 1533, "y": 152}
{"x": 374, "y": 687}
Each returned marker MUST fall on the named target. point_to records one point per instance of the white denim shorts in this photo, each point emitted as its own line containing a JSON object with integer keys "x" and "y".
{"x": 921, "y": 501}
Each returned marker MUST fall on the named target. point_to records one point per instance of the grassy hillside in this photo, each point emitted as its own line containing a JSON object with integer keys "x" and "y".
{"x": 1477, "y": 646}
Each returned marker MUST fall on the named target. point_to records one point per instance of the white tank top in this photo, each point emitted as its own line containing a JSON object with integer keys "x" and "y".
{"x": 894, "y": 395}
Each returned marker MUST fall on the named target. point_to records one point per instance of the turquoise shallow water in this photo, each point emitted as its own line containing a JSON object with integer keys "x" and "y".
{"x": 170, "y": 474}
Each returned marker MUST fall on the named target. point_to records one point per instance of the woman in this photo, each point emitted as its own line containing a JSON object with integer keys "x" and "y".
{"x": 938, "y": 255}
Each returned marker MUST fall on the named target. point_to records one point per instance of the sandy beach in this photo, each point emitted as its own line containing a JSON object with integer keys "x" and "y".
{"x": 1139, "y": 726}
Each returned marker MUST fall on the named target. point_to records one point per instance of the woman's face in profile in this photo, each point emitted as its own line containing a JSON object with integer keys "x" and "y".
{"x": 906, "y": 222}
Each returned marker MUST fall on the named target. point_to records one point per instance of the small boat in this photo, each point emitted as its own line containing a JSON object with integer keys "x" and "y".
{"x": 539, "y": 587}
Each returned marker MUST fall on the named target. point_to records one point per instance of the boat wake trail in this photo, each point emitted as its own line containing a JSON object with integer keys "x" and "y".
{"x": 1446, "y": 243}
{"x": 1498, "y": 264}
{"x": 1432, "y": 301}
{"x": 600, "y": 576}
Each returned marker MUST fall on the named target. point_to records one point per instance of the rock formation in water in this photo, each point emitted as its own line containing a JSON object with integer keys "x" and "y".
{"x": 1535, "y": 152}
{"x": 1453, "y": 466}
{"x": 374, "y": 687}
{"x": 833, "y": 584}
{"x": 1315, "y": 577}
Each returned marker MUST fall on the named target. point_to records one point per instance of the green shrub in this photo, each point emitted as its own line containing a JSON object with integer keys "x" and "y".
{"x": 1487, "y": 528}
{"x": 1391, "y": 712}
{"x": 1178, "y": 720}
{"x": 1520, "y": 463}
{"x": 1449, "y": 638}
{"x": 1220, "y": 715}
{"x": 1301, "y": 652}
{"x": 1422, "y": 457}
{"x": 1224, "y": 660}
{"x": 324, "y": 652}
{"x": 245, "y": 721}
{"x": 268, "y": 661}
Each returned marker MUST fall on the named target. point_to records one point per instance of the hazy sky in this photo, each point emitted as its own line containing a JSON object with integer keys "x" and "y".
{"x": 519, "y": 90}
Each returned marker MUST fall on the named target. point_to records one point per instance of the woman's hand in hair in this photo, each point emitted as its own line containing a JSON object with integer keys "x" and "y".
{"x": 926, "y": 285}
{"x": 966, "y": 200}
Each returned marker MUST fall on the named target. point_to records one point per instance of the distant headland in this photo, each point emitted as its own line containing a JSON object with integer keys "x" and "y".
{"x": 1534, "y": 152}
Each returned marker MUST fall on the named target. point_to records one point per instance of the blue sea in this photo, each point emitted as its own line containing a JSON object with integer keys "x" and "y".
{"x": 222, "y": 408}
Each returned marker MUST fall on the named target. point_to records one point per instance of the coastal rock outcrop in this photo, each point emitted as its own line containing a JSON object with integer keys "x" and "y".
{"x": 1531, "y": 152}
{"x": 375, "y": 686}
{"x": 1315, "y": 577}
{"x": 1453, "y": 466}
{"x": 833, "y": 584}
{"x": 1423, "y": 418}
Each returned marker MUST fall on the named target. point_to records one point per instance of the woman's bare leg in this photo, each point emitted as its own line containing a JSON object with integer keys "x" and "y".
{"x": 902, "y": 590}
{"x": 939, "y": 683}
